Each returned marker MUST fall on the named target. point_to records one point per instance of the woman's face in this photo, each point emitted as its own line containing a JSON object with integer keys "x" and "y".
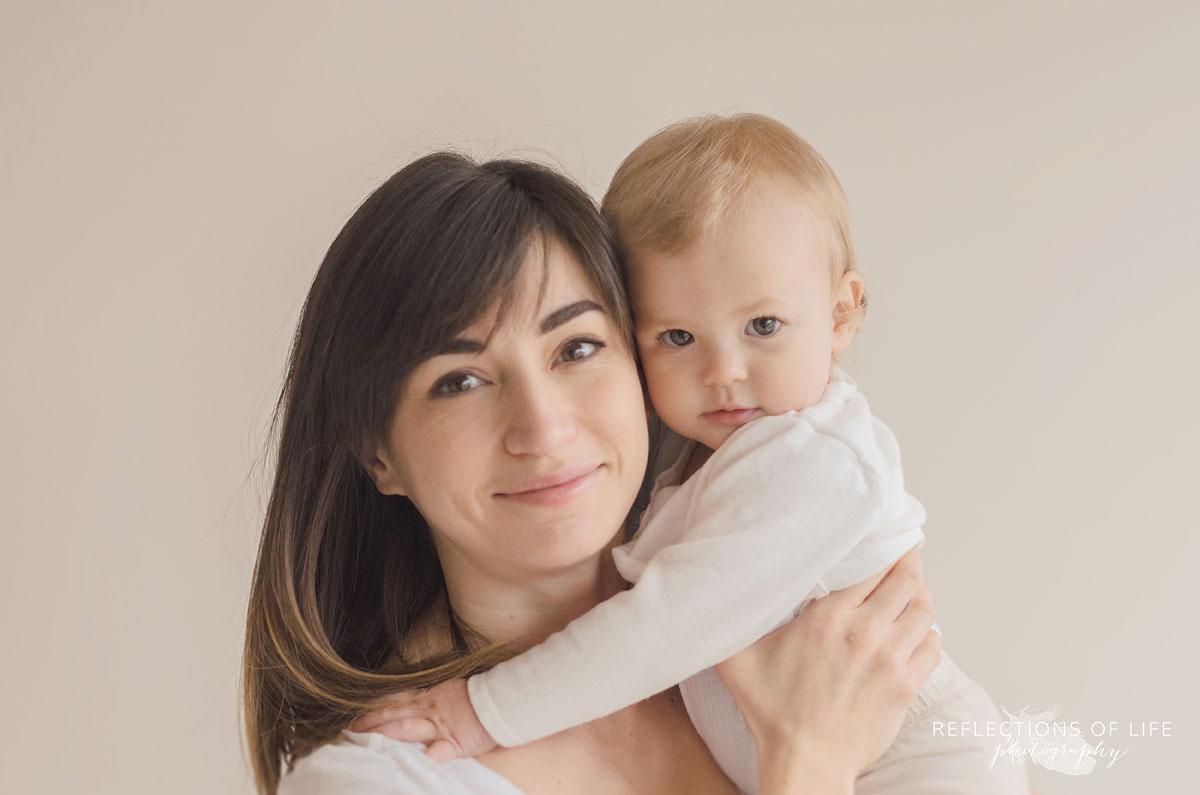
{"x": 524, "y": 451}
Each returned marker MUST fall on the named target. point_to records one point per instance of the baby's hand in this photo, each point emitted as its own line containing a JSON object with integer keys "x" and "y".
{"x": 441, "y": 717}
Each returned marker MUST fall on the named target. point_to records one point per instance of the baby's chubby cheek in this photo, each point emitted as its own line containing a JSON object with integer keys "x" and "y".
{"x": 674, "y": 400}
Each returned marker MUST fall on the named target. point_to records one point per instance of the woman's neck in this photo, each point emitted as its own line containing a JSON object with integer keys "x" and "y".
{"x": 532, "y": 606}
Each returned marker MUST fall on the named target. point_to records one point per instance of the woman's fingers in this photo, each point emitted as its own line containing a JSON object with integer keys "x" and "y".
{"x": 855, "y": 595}
{"x": 899, "y": 586}
{"x": 852, "y": 595}
{"x": 925, "y": 658}
{"x": 914, "y": 643}
{"x": 909, "y": 629}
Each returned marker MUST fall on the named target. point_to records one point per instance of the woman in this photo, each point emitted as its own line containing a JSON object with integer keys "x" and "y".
{"x": 461, "y": 436}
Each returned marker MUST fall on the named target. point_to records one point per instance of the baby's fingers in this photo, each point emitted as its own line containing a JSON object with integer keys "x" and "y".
{"x": 397, "y": 710}
{"x": 443, "y": 751}
{"x": 411, "y": 730}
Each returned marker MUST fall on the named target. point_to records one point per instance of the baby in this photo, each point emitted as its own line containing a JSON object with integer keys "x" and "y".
{"x": 736, "y": 240}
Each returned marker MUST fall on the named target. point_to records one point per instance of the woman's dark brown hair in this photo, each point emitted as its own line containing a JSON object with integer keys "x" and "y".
{"x": 345, "y": 573}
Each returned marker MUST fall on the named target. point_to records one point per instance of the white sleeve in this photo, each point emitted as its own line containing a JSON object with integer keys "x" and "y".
{"x": 775, "y": 507}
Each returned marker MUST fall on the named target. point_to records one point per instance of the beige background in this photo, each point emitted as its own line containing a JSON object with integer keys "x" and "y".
{"x": 1024, "y": 184}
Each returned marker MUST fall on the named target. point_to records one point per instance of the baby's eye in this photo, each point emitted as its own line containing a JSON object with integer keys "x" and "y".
{"x": 579, "y": 349}
{"x": 676, "y": 337}
{"x": 763, "y": 326}
{"x": 455, "y": 384}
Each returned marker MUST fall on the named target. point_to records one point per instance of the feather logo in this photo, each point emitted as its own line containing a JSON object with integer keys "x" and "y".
{"x": 1047, "y": 741}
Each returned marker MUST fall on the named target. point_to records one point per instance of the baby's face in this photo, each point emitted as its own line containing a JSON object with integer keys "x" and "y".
{"x": 741, "y": 323}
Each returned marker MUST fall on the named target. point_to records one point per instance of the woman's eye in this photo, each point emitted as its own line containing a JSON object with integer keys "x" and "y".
{"x": 455, "y": 383}
{"x": 580, "y": 349}
{"x": 676, "y": 337}
{"x": 763, "y": 326}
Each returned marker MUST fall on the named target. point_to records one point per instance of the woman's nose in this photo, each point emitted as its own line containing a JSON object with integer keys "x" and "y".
{"x": 540, "y": 418}
{"x": 723, "y": 365}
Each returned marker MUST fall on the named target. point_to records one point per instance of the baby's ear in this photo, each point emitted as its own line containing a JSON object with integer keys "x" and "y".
{"x": 849, "y": 303}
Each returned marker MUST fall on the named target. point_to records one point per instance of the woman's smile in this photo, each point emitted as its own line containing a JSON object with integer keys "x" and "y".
{"x": 556, "y": 488}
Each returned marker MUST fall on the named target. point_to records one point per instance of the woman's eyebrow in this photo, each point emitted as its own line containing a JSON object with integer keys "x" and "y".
{"x": 460, "y": 345}
{"x": 568, "y": 312}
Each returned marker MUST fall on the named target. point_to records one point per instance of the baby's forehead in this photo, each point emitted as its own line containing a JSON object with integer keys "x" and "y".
{"x": 768, "y": 193}
{"x": 674, "y": 292}
{"x": 727, "y": 211}
{"x": 761, "y": 244}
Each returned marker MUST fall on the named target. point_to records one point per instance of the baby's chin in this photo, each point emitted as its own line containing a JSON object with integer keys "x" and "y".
{"x": 711, "y": 437}
{"x": 713, "y": 434}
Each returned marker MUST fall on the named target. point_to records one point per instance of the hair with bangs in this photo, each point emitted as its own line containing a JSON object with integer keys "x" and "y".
{"x": 684, "y": 179}
{"x": 345, "y": 573}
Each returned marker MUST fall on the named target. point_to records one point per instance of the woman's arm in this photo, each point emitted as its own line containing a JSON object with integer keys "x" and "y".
{"x": 825, "y": 695}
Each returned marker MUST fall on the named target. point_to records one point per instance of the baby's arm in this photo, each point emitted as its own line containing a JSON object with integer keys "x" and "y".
{"x": 773, "y": 510}
{"x": 775, "y": 507}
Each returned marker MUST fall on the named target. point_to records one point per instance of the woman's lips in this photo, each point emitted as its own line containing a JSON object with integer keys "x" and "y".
{"x": 732, "y": 416}
{"x": 555, "y": 488}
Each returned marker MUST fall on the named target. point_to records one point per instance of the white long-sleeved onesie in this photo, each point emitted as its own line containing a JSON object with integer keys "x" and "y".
{"x": 789, "y": 508}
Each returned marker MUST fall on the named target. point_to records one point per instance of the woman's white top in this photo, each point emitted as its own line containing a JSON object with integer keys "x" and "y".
{"x": 371, "y": 764}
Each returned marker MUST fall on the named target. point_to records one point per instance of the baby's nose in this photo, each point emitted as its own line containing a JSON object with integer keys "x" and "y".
{"x": 723, "y": 366}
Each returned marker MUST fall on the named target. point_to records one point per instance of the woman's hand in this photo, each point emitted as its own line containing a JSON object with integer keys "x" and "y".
{"x": 825, "y": 695}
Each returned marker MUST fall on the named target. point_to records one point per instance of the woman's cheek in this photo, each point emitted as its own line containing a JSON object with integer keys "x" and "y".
{"x": 445, "y": 439}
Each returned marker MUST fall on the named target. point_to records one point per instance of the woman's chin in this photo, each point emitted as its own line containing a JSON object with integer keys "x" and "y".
{"x": 571, "y": 546}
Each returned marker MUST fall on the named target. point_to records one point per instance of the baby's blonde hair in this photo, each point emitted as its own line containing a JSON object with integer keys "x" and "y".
{"x": 684, "y": 179}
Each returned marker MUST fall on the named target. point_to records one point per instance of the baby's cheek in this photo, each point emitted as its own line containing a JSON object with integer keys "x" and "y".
{"x": 663, "y": 389}
{"x": 662, "y": 375}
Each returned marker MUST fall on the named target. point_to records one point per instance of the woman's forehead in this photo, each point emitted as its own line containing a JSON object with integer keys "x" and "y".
{"x": 550, "y": 279}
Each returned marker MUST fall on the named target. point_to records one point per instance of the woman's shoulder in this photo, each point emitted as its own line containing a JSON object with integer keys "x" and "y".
{"x": 371, "y": 764}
